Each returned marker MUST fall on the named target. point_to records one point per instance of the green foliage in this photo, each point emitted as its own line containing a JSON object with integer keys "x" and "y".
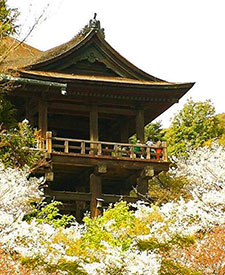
{"x": 7, "y": 112}
{"x": 221, "y": 119}
{"x": 192, "y": 127}
{"x": 16, "y": 146}
{"x": 49, "y": 213}
{"x": 153, "y": 131}
{"x": 113, "y": 227}
{"x": 169, "y": 267}
{"x": 32, "y": 262}
{"x": 7, "y": 19}
{"x": 153, "y": 244}
{"x": 165, "y": 187}
{"x": 36, "y": 263}
{"x": 176, "y": 241}
{"x": 72, "y": 268}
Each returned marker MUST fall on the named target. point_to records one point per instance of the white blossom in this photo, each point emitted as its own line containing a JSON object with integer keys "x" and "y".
{"x": 205, "y": 172}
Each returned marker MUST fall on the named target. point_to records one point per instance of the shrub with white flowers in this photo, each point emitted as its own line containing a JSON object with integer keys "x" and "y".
{"x": 121, "y": 241}
{"x": 16, "y": 193}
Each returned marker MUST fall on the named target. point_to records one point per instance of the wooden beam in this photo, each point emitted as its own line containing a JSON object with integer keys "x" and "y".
{"x": 42, "y": 117}
{"x": 140, "y": 124}
{"x": 93, "y": 124}
{"x": 96, "y": 192}
{"x": 115, "y": 198}
{"x": 68, "y": 196}
{"x": 87, "y": 108}
{"x": 69, "y": 113}
{"x": 120, "y": 163}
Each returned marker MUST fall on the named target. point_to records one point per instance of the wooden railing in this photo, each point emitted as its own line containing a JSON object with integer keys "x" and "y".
{"x": 102, "y": 148}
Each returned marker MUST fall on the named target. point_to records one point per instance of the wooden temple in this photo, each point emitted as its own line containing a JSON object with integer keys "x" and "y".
{"x": 87, "y": 100}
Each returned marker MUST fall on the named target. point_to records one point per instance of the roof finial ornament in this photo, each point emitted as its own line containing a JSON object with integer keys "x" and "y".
{"x": 94, "y": 24}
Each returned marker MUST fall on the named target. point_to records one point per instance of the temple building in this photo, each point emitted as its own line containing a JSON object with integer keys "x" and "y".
{"x": 87, "y": 100}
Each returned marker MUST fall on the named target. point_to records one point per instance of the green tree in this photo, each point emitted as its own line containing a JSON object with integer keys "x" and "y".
{"x": 195, "y": 124}
{"x": 153, "y": 131}
{"x": 7, "y": 27}
{"x": 7, "y": 19}
{"x": 221, "y": 118}
{"x": 7, "y": 112}
{"x": 15, "y": 147}
{"x": 165, "y": 187}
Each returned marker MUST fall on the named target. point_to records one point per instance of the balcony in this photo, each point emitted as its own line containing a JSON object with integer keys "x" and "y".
{"x": 105, "y": 150}
{"x": 84, "y": 170}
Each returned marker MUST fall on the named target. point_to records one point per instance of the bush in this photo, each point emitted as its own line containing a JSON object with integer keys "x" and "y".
{"x": 19, "y": 147}
{"x": 49, "y": 213}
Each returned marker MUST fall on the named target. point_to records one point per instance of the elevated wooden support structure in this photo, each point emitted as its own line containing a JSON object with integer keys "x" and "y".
{"x": 103, "y": 162}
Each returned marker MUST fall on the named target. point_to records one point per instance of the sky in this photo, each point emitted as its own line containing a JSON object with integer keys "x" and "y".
{"x": 175, "y": 40}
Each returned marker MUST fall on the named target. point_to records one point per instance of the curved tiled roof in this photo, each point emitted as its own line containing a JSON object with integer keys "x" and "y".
{"x": 15, "y": 54}
{"x": 93, "y": 26}
{"x": 56, "y": 51}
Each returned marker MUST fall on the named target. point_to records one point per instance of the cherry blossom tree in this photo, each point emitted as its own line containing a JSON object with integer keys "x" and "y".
{"x": 183, "y": 235}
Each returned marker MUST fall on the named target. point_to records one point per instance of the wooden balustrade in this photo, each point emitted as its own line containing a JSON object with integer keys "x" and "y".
{"x": 101, "y": 148}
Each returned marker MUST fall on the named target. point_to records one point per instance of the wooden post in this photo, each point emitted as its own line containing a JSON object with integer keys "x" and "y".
{"x": 124, "y": 131}
{"x": 142, "y": 185}
{"x": 96, "y": 192}
{"x": 49, "y": 176}
{"x": 29, "y": 115}
{"x": 132, "y": 155}
{"x": 80, "y": 206}
{"x": 66, "y": 146}
{"x": 82, "y": 147}
{"x": 148, "y": 153}
{"x": 42, "y": 118}
{"x": 164, "y": 151}
{"x": 94, "y": 124}
{"x": 49, "y": 142}
{"x": 93, "y": 128}
{"x": 140, "y": 124}
{"x": 116, "y": 150}
{"x": 99, "y": 149}
{"x": 142, "y": 182}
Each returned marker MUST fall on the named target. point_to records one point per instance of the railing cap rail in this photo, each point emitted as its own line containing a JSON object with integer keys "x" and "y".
{"x": 106, "y": 143}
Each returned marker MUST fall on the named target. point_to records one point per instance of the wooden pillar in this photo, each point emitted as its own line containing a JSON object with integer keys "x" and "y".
{"x": 142, "y": 181}
{"x": 124, "y": 132}
{"x": 43, "y": 117}
{"x": 93, "y": 124}
{"x": 164, "y": 151}
{"x": 129, "y": 183}
{"x": 80, "y": 205}
{"x": 96, "y": 192}
{"x": 28, "y": 112}
{"x": 140, "y": 124}
{"x": 142, "y": 186}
